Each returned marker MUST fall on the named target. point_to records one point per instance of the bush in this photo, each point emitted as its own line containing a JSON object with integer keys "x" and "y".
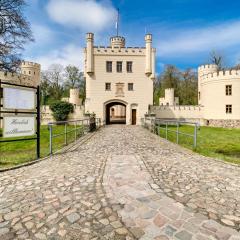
{"x": 61, "y": 110}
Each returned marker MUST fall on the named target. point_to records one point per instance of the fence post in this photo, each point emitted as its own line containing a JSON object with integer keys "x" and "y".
{"x": 195, "y": 136}
{"x": 166, "y": 130}
{"x": 177, "y": 132}
{"x": 50, "y": 139}
{"x": 75, "y": 131}
{"x": 65, "y": 133}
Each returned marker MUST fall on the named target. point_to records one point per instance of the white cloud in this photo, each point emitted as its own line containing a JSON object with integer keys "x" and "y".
{"x": 42, "y": 34}
{"x": 199, "y": 40}
{"x": 70, "y": 54}
{"x": 88, "y": 15}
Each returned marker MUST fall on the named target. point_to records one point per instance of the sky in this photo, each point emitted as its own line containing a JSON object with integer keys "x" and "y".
{"x": 185, "y": 32}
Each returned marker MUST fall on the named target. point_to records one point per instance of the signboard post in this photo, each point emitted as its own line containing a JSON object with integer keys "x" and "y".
{"x": 21, "y": 109}
{"x": 15, "y": 126}
{"x": 18, "y": 98}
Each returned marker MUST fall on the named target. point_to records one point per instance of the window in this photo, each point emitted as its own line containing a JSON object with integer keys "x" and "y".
{"x": 129, "y": 67}
{"x": 109, "y": 66}
{"x": 199, "y": 95}
{"x": 228, "y": 108}
{"x": 130, "y": 87}
{"x": 108, "y": 86}
{"x": 228, "y": 90}
{"x": 119, "y": 66}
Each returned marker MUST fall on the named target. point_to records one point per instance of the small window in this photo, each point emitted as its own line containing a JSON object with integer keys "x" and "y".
{"x": 129, "y": 67}
{"x": 228, "y": 108}
{"x": 130, "y": 87}
{"x": 108, "y": 86}
{"x": 199, "y": 95}
{"x": 228, "y": 90}
{"x": 109, "y": 66}
{"x": 29, "y": 72}
{"x": 119, "y": 66}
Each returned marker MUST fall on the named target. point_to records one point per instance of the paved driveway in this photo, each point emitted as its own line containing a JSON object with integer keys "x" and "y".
{"x": 123, "y": 183}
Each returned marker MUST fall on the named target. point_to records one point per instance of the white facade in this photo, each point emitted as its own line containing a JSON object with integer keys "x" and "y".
{"x": 213, "y": 94}
{"x": 138, "y": 96}
{"x": 218, "y": 98}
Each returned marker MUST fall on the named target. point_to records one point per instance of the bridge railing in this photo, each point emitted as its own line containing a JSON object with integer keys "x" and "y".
{"x": 171, "y": 126}
{"x": 167, "y": 125}
{"x": 77, "y": 127}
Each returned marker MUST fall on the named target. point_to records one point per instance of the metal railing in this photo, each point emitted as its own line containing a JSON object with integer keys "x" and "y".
{"x": 158, "y": 123}
{"x": 80, "y": 127}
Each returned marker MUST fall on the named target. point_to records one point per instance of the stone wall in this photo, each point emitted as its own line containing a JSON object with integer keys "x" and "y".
{"x": 223, "y": 123}
{"x": 183, "y": 113}
{"x": 46, "y": 114}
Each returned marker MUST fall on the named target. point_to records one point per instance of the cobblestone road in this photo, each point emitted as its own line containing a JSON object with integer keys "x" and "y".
{"x": 123, "y": 183}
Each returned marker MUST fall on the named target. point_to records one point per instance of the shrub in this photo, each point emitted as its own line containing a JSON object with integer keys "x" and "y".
{"x": 61, "y": 110}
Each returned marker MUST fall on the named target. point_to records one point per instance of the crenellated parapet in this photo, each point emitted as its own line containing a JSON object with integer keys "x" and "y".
{"x": 30, "y": 64}
{"x": 119, "y": 51}
{"x": 221, "y": 75}
{"x": 117, "y": 41}
{"x": 17, "y": 78}
{"x": 177, "y": 107}
{"x": 207, "y": 67}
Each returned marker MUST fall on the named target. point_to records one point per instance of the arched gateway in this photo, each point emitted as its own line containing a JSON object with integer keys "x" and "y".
{"x": 115, "y": 112}
{"x": 119, "y": 80}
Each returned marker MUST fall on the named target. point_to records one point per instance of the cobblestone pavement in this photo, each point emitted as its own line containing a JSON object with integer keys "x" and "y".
{"x": 123, "y": 183}
{"x": 60, "y": 198}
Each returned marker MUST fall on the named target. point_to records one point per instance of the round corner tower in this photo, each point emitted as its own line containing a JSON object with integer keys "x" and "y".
{"x": 31, "y": 69}
{"x": 117, "y": 41}
{"x": 74, "y": 96}
{"x": 202, "y": 71}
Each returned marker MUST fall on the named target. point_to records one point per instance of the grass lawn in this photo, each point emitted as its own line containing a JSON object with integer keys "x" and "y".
{"x": 15, "y": 153}
{"x": 221, "y": 143}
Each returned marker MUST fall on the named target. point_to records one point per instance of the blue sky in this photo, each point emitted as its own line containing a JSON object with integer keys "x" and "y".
{"x": 184, "y": 31}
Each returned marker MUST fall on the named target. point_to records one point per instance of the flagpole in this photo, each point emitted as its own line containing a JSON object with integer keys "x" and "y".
{"x": 117, "y": 21}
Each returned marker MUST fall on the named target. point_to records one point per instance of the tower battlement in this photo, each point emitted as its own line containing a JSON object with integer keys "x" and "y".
{"x": 30, "y": 64}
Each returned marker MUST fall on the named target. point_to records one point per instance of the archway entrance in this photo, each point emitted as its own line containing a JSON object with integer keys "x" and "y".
{"x": 115, "y": 113}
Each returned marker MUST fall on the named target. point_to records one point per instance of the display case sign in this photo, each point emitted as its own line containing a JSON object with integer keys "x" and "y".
{"x": 19, "y": 98}
{"x": 18, "y": 126}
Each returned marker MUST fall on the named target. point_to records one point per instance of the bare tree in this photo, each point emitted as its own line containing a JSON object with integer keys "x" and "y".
{"x": 217, "y": 58}
{"x": 54, "y": 76}
{"x": 14, "y": 33}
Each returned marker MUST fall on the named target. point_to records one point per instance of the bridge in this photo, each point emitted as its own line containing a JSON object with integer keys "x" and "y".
{"x": 122, "y": 182}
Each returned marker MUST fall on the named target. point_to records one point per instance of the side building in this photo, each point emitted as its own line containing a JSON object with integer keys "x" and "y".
{"x": 119, "y": 79}
{"x": 218, "y": 100}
